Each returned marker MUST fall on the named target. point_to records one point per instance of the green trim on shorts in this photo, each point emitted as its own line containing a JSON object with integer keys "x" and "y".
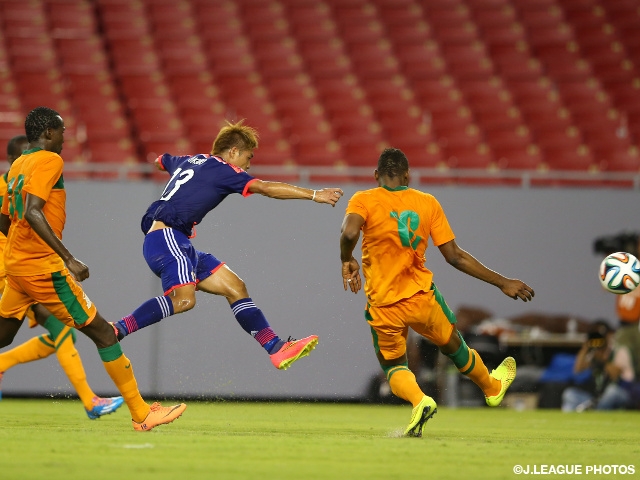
{"x": 375, "y": 340}
{"x": 443, "y": 304}
{"x": 367, "y": 315}
{"x": 46, "y": 339}
{"x": 109, "y": 354}
{"x": 68, "y": 299}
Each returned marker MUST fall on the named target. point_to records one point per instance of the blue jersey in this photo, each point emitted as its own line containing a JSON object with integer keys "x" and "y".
{"x": 197, "y": 185}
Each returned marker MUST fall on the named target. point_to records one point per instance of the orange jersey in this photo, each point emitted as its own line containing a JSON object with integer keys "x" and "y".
{"x": 397, "y": 227}
{"x": 38, "y": 172}
{"x": 3, "y": 239}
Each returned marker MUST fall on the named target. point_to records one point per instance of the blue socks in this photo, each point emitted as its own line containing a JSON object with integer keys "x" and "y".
{"x": 252, "y": 321}
{"x": 150, "y": 312}
{"x": 250, "y": 318}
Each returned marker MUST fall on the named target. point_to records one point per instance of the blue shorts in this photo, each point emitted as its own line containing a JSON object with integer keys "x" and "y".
{"x": 171, "y": 256}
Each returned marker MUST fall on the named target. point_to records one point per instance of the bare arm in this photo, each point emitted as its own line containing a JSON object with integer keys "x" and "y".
{"x": 583, "y": 359}
{"x": 35, "y": 217}
{"x": 467, "y": 263}
{"x": 349, "y": 236}
{"x": 5, "y": 223}
{"x": 284, "y": 191}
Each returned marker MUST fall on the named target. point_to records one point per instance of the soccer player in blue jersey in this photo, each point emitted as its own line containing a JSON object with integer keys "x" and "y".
{"x": 197, "y": 185}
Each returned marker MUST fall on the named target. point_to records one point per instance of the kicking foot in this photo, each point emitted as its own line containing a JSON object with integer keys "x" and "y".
{"x": 426, "y": 409}
{"x": 505, "y": 373}
{"x": 159, "y": 415}
{"x": 293, "y": 350}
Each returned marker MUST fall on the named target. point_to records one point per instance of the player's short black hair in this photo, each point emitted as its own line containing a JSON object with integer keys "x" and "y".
{"x": 392, "y": 163}
{"x": 38, "y": 120}
{"x": 13, "y": 146}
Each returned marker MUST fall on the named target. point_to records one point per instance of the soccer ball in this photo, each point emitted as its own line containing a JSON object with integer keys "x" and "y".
{"x": 620, "y": 273}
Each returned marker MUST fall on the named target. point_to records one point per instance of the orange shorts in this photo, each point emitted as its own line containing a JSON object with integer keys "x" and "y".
{"x": 30, "y": 315}
{"x": 57, "y": 291}
{"x": 426, "y": 313}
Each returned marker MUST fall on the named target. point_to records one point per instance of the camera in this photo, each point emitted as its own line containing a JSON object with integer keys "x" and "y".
{"x": 622, "y": 242}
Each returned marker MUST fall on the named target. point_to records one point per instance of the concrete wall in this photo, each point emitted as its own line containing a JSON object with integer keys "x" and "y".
{"x": 287, "y": 253}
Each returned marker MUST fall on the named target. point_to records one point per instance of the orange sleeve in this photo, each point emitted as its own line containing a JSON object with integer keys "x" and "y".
{"x": 441, "y": 232}
{"x": 41, "y": 182}
{"x": 355, "y": 205}
{"x": 628, "y": 306}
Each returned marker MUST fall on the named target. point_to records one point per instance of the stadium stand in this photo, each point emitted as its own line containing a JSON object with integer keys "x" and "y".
{"x": 494, "y": 86}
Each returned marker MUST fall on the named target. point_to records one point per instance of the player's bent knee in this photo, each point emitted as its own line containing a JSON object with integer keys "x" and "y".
{"x": 183, "y": 303}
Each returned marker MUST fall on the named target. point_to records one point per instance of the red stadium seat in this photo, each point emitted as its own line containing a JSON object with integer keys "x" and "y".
{"x": 23, "y": 19}
{"x": 498, "y": 84}
{"x": 569, "y": 158}
{"x": 479, "y": 156}
{"x": 524, "y": 157}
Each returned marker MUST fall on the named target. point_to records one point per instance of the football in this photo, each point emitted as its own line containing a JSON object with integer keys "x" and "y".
{"x": 620, "y": 273}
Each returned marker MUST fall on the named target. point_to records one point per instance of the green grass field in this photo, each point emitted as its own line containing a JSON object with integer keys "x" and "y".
{"x": 52, "y": 439}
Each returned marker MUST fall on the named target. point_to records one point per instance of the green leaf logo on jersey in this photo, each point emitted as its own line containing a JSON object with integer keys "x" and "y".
{"x": 14, "y": 191}
{"x": 407, "y": 220}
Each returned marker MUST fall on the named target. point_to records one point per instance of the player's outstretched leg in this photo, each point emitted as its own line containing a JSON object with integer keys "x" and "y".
{"x": 293, "y": 350}
{"x": 35, "y": 348}
{"x": 282, "y": 353}
{"x": 470, "y": 364}
{"x": 150, "y": 312}
{"x": 505, "y": 373}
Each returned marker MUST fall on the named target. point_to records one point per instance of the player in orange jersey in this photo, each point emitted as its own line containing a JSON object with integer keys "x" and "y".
{"x": 396, "y": 223}
{"x": 60, "y": 339}
{"x": 40, "y": 269}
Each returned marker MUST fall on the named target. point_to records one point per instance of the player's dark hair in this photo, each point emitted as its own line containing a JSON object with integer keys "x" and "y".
{"x": 238, "y": 135}
{"x": 38, "y": 120}
{"x": 13, "y": 146}
{"x": 392, "y": 163}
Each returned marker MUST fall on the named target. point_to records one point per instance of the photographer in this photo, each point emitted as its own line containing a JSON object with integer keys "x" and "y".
{"x": 611, "y": 370}
{"x": 627, "y": 307}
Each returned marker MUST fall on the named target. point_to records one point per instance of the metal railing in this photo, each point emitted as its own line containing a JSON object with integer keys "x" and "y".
{"x": 364, "y": 175}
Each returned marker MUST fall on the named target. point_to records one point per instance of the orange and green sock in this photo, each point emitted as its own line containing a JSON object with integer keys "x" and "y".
{"x": 404, "y": 385}
{"x": 470, "y": 364}
{"x": 120, "y": 370}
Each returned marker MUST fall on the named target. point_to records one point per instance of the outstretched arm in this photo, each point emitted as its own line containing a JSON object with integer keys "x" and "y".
{"x": 284, "y": 191}
{"x": 467, "y": 263}
{"x": 350, "y": 233}
{"x": 35, "y": 217}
